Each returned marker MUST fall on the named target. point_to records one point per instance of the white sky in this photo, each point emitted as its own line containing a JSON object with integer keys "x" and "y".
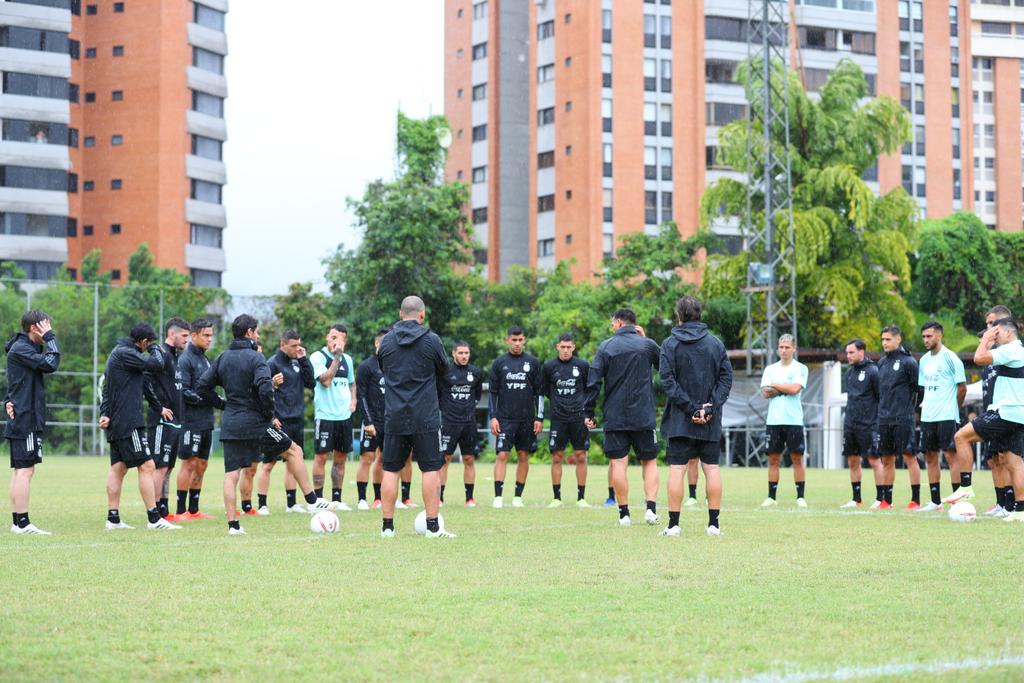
{"x": 314, "y": 87}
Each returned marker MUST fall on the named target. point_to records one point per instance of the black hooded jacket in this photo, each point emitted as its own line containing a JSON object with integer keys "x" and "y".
{"x": 862, "y": 396}
{"x": 167, "y": 386}
{"x": 413, "y": 362}
{"x": 290, "y": 397}
{"x": 695, "y": 370}
{"x": 125, "y": 385}
{"x": 565, "y": 384}
{"x": 198, "y": 411}
{"x": 370, "y": 392}
{"x": 248, "y": 390}
{"x": 623, "y": 364}
{"x": 461, "y": 389}
{"x": 897, "y": 388}
{"x": 26, "y": 365}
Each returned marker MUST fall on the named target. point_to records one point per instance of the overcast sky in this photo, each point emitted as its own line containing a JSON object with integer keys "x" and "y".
{"x": 314, "y": 86}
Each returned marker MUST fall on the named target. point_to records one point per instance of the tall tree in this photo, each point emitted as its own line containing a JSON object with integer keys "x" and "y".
{"x": 852, "y": 264}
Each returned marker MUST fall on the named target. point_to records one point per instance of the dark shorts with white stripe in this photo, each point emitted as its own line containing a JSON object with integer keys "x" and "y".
{"x": 27, "y": 452}
{"x": 132, "y": 450}
{"x": 295, "y": 430}
{"x": 164, "y": 440}
{"x": 246, "y": 452}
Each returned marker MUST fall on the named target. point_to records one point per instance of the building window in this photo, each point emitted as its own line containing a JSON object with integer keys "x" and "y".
{"x": 650, "y": 75}
{"x": 650, "y": 29}
{"x": 480, "y": 215}
{"x": 606, "y": 71}
{"x": 480, "y": 10}
{"x": 720, "y": 71}
{"x": 39, "y": 132}
{"x": 480, "y": 174}
{"x": 87, "y": 231}
{"x": 90, "y": 97}
{"x": 115, "y": 228}
{"x": 91, "y": 9}
{"x": 650, "y": 163}
{"x": 89, "y": 141}
{"x": 119, "y": 7}
{"x": 206, "y": 192}
{"x": 479, "y": 92}
{"x": 36, "y": 86}
{"x": 72, "y": 227}
{"x": 207, "y": 60}
{"x": 666, "y": 75}
{"x": 205, "y": 103}
{"x": 606, "y": 26}
{"x": 118, "y": 51}
{"x": 479, "y": 51}
{"x": 206, "y": 236}
{"x": 545, "y": 73}
{"x": 207, "y": 148}
{"x": 458, "y": 93}
{"x": 73, "y": 137}
{"x": 115, "y": 274}
{"x": 665, "y": 114}
{"x": 606, "y": 204}
{"x": 205, "y": 278}
{"x": 37, "y": 225}
{"x": 545, "y": 202}
{"x": 116, "y": 140}
{"x": 666, "y": 163}
{"x": 666, "y": 32}
{"x": 30, "y": 178}
{"x": 721, "y": 113}
{"x": 606, "y": 115}
{"x": 545, "y": 247}
{"x": 208, "y": 17}
{"x": 88, "y": 185}
{"x": 546, "y": 29}
{"x": 666, "y": 206}
{"x": 724, "y": 28}
{"x": 480, "y": 132}
{"x": 74, "y": 49}
{"x": 606, "y": 160}
{"x": 116, "y": 95}
{"x": 546, "y": 159}
{"x": 546, "y": 116}
{"x": 650, "y": 207}
{"x": 115, "y": 184}
{"x": 90, "y": 53}
{"x": 650, "y": 118}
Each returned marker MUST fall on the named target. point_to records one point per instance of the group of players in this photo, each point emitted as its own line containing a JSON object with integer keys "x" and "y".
{"x": 158, "y": 405}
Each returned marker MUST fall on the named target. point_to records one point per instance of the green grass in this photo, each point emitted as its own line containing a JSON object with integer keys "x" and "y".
{"x": 530, "y": 594}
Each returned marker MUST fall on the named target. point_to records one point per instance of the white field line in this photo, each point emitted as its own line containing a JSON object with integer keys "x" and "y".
{"x": 853, "y": 673}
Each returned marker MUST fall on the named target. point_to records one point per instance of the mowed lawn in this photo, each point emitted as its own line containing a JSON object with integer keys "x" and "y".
{"x": 523, "y": 594}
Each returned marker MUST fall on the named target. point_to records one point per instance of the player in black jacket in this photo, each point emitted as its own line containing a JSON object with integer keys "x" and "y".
{"x": 897, "y": 401}
{"x": 31, "y": 354}
{"x": 197, "y": 439}
{"x": 370, "y": 391}
{"x": 165, "y": 433}
{"x": 249, "y": 426}
{"x": 461, "y": 388}
{"x": 860, "y": 425}
{"x": 517, "y": 411}
{"x": 564, "y": 384}
{"x": 292, "y": 373}
{"x": 121, "y": 415}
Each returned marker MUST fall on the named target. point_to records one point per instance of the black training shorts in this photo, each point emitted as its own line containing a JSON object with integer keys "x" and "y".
{"x": 196, "y": 444}
{"x": 461, "y": 435}
{"x": 573, "y": 432}
{"x": 894, "y": 439}
{"x": 164, "y": 440}
{"x": 26, "y": 452}
{"x": 515, "y": 436}
{"x": 781, "y": 437}
{"x": 644, "y": 443}
{"x": 371, "y": 444}
{"x": 1002, "y": 435}
{"x": 332, "y": 435}
{"x": 860, "y": 441}
{"x": 938, "y": 436}
{"x": 295, "y": 430}
{"x": 426, "y": 446}
{"x": 682, "y": 449}
{"x": 132, "y": 450}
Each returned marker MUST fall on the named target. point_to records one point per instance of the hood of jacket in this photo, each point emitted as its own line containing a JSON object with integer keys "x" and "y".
{"x": 901, "y": 351}
{"x": 12, "y": 340}
{"x": 242, "y": 344}
{"x": 408, "y": 331}
{"x": 690, "y": 332}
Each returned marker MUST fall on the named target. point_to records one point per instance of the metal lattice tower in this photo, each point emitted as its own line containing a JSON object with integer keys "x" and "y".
{"x": 771, "y": 272}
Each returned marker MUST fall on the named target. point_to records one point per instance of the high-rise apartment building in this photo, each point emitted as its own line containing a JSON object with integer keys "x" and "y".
{"x": 577, "y": 122}
{"x": 113, "y": 130}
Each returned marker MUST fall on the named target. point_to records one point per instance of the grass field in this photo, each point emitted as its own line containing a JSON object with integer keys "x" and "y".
{"x": 531, "y": 594}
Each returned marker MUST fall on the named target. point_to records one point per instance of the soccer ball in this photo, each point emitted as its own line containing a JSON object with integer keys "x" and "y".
{"x": 420, "y": 524}
{"x": 324, "y": 522}
{"x": 962, "y": 512}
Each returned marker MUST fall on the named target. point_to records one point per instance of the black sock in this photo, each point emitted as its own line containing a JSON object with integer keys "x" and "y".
{"x": 800, "y": 489}
{"x": 310, "y": 497}
{"x": 999, "y": 495}
{"x": 469, "y": 491}
{"x": 773, "y": 489}
{"x": 21, "y": 520}
{"x": 193, "y": 500}
{"x": 432, "y": 525}
{"x": 915, "y": 493}
{"x": 611, "y": 493}
{"x": 336, "y": 495}
{"x": 623, "y": 511}
{"x": 713, "y": 518}
{"x": 1018, "y": 506}
{"x": 652, "y": 506}
{"x": 388, "y": 524}
{"x": 936, "y": 493}
{"x": 162, "y": 505}
{"x": 557, "y": 491}
{"x": 361, "y": 490}
{"x": 153, "y": 514}
{"x": 520, "y": 485}
{"x": 319, "y": 492}
{"x": 247, "y": 505}
{"x": 965, "y": 479}
{"x": 261, "y": 500}
{"x": 499, "y": 486}
{"x": 406, "y": 487}
{"x": 376, "y": 491}
{"x": 442, "y": 492}
{"x": 888, "y": 494}
{"x": 1008, "y": 501}
{"x": 182, "y": 501}
{"x": 673, "y": 519}
{"x": 114, "y": 516}
{"x": 879, "y": 493}
{"x": 234, "y": 525}
{"x": 956, "y": 485}
{"x": 289, "y": 495}
{"x": 693, "y": 490}
{"x": 14, "y": 518}
{"x": 581, "y": 492}
{"x": 856, "y": 491}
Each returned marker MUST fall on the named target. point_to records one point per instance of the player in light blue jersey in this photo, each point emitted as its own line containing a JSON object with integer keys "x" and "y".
{"x": 782, "y": 384}
{"x": 943, "y": 387}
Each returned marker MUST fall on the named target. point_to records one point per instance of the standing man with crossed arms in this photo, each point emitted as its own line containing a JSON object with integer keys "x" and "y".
{"x": 564, "y": 381}
{"x": 461, "y": 389}
{"x": 859, "y": 424}
{"x": 334, "y": 398}
{"x": 782, "y": 384}
{"x": 943, "y": 384}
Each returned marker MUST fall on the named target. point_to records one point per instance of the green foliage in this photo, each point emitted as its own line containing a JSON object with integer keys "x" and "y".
{"x": 954, "y": 335}
{"x": 852, "y": 263}
{"x": 959, "y": 268}
{"x": 1010, "y": 247}
{"x": 305, "y": 311}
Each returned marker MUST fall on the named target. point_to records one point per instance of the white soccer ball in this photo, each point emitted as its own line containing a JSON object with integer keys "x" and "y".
{"x": 962, "y": 512}
{"x": 324, "y": 522}
{"x": 420, "y": 523}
